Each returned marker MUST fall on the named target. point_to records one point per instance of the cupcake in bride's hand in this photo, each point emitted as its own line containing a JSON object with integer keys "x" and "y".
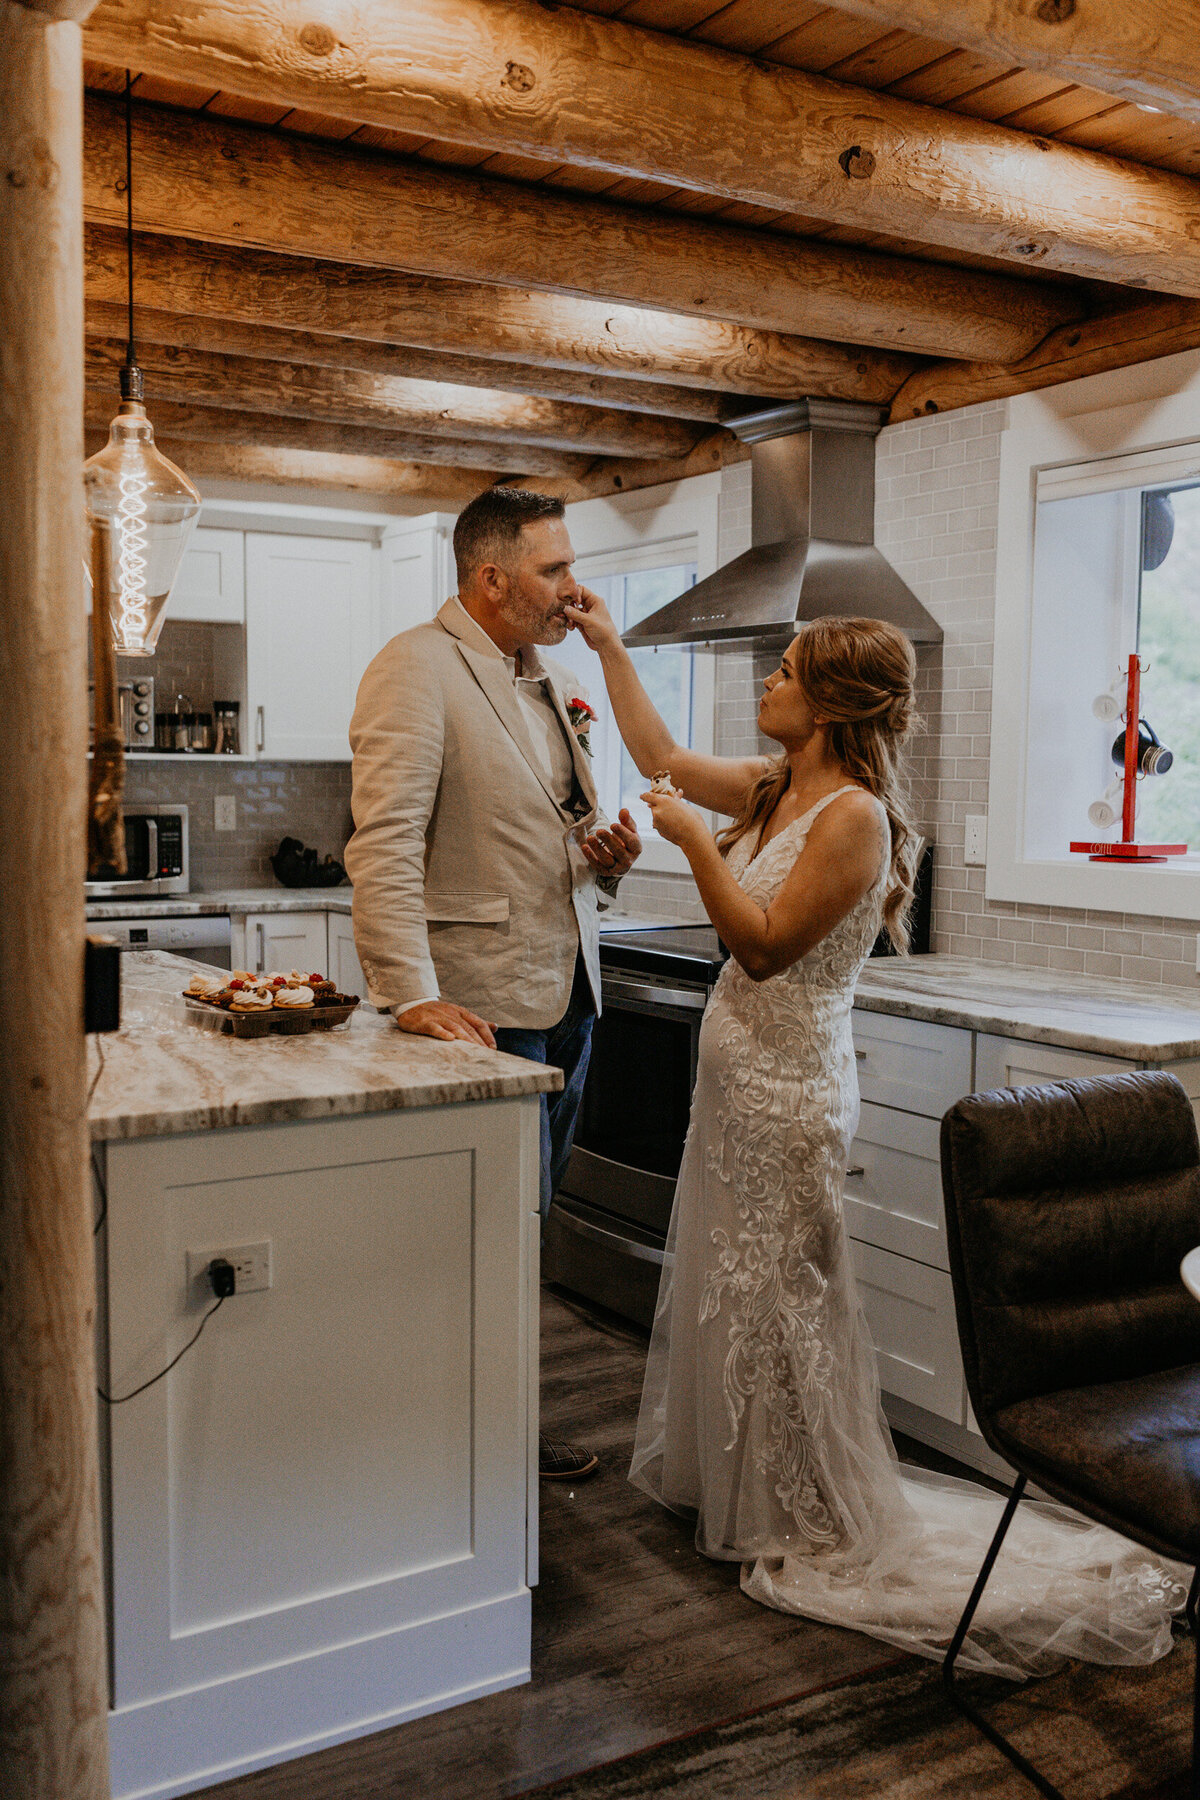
{"x": 672, "y": 816}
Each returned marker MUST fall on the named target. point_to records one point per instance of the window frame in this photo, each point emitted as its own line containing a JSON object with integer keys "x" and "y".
{"x": 1144, "y": 423}
{"x": 655, "y": 528}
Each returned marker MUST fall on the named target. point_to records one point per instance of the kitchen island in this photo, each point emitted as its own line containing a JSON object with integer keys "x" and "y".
{"x": 322, "y": 1521}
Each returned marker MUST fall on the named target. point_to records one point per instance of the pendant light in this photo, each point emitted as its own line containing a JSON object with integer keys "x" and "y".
{"x": 141, "y": 509}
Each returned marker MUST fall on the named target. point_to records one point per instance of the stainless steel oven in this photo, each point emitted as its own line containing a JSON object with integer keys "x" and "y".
{"x": 608, "y": 1223}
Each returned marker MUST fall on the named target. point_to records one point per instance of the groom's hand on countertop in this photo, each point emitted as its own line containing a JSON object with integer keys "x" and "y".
{"x": 442, "y": 1019}
{"x": 613, "y": 849}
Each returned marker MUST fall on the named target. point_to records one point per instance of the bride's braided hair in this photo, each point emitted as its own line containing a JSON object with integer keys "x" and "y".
{"x": 858, "y": 674}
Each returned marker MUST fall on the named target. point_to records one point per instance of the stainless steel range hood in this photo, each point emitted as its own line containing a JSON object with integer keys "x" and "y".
{"x": 812, "y": 528}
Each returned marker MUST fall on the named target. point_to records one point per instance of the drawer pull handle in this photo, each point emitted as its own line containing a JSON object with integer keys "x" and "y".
{"x": 855, "y": 1169}
{"x": 860, "y": 1056}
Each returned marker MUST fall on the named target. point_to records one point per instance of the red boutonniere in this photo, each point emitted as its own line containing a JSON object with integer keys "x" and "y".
{"x": 582, "y": 717}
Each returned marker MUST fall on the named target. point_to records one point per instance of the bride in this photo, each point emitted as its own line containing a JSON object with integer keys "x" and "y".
{"x": 760, "y": 1414}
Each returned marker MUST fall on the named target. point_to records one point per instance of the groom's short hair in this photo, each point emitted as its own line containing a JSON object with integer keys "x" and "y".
{"x": 489, "y": 529}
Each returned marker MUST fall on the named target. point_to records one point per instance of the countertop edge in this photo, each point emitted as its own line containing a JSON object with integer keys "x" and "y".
{"x": 974, "y": 1017}
{"x": 451, "y": 1092}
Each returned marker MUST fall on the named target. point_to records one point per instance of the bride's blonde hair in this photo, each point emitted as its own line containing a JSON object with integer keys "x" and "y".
{"x": 858, "y": 674}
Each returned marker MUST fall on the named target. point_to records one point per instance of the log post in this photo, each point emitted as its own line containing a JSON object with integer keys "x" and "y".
{"x": 53, "y": 1739}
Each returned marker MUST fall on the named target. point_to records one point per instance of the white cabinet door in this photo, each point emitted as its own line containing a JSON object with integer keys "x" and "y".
{"x": 910, "y": 1312}
{"x": 417, "y": 571}
{"x": 310, "y": 631}
{"x": 211, "y": 584}
{"x": 344, "y": 966}
{"x": 1010, "y": 1062}
{"x": 919, "y": 1067}
{"x": 893, "y": 1194}
{"x": 286, "y": 941}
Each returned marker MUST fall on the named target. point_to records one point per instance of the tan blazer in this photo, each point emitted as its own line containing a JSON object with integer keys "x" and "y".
{"x": 468, "y": 877}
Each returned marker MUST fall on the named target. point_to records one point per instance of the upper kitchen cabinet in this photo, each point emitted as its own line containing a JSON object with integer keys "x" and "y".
{"x": 311, "y": 629}
{"x": 211, "y": 585}
{"x": 417, "y": 571}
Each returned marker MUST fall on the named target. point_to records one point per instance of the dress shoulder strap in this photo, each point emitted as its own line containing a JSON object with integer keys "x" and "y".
{"x": 851, "y": 787}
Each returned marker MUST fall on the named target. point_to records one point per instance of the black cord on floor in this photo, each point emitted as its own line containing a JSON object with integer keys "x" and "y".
{"x": 113, "y": 1400}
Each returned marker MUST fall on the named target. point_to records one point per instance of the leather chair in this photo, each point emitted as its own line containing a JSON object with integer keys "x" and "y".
{"x": 1069, "y": 1208}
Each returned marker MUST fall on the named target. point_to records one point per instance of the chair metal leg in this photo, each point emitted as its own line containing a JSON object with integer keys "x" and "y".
{"x": 959, "y": 1700}
{"x": 1193, "y": 1601}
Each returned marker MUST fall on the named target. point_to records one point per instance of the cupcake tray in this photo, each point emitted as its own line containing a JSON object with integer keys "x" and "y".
{"x": 273, "y": 1022}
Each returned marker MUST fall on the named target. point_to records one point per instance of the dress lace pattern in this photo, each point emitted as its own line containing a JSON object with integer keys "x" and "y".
{"x": 760, "y": 1412}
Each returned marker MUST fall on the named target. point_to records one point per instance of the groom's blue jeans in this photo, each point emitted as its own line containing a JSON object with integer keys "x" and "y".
{"x": 566, "y": 1046}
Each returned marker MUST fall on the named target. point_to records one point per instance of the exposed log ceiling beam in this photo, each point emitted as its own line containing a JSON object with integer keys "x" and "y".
{"x": 1159, "y": 327}
{"x": 211, "y": 180}
{"x": 552, "y": 331}
{"x": 345, "y": 397}
{"x": 549, "y": 82}
{"x": 226, "y": 337}
{"x": 218, "y": 425}
{"x": 309, "y": 469}
{"x": 611, "y": 476}
{"x": 1143, "y": 50}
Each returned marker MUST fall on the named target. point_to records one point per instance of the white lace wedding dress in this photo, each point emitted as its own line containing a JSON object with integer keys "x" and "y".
{"x": 760, "y": 1411}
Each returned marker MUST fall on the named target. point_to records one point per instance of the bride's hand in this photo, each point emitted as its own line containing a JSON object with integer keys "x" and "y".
{"x": 675, "y": 820}
{"x": 593, "y": 621}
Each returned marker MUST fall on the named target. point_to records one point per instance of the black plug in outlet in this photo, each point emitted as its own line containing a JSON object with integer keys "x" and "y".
{"x": 223, "y": 1277}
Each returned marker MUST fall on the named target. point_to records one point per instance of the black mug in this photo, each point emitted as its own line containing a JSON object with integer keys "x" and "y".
{"x": 1153, "y": 757}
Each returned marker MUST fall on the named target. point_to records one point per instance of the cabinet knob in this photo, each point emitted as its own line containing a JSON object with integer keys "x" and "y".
{"x": 855, "y": 1169}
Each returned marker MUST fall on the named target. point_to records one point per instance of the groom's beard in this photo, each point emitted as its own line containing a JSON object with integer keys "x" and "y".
{"x": 529, "y": 615}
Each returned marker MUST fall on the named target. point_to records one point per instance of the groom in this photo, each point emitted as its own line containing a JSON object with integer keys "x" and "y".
{"x": 479, "y": 845}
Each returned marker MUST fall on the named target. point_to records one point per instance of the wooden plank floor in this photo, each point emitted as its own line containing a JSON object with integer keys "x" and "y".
{"x": 636, "y": 1638}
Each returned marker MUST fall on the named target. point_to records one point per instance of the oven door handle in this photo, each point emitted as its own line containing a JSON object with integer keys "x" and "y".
{"x": 612, "y": 1240}
{"x": 691, "y": 999}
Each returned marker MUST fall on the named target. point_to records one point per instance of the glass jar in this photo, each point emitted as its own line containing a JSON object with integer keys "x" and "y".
{"x": 164, "y": 731}
{"x": 201, "y": 736}
{"x": 225, "y": 718}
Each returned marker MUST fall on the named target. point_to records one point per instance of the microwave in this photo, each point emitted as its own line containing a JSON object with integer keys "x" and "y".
{"x": 156, "y": 854}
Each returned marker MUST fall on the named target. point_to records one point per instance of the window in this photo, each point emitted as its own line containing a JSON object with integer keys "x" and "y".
{"x": 668, "y": 676}
{"x": 1116, "y": 569}
{"x": 1084, "y": 575}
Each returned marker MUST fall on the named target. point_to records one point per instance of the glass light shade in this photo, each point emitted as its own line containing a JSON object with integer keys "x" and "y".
{"x": 141, "y": 512}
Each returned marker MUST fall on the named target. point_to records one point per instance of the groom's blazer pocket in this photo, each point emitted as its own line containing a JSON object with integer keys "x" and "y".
{"x": 466, "y": 909}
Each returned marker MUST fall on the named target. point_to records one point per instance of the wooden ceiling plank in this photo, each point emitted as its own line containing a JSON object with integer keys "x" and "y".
{"x": 891, "y": 58}
{"x": 1140, "y": 50}
{"x": 942, "y": 83}
{"x": 169, "y": 92}
{"x": 215, "y": 181}
{"x": 508, "y": 75}
{"x": 751, "y": 26}
{"x": 390, "y": 402}
{"x": 550, "y": 331}
{"x": 228, "y": 337}
{"x": 218, "y": 425}
{"x": 1158, "y": 327}
{"x": 608, "y": 476}
{"x": 251, "y": 112}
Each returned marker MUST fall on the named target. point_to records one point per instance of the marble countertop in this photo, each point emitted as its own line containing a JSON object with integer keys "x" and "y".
{"x": 226, "y": 900}
{"x": 1043, "y": 1006}
{"x": 161, "y": 1075}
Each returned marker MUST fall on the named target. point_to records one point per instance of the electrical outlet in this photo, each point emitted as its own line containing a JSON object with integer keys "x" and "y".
{"x": 225, "y": 812}
{"x": 251, "y": 1267}
{"x": 975, "y": 840}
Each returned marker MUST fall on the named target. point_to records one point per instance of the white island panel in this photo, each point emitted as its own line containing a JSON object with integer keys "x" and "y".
{"x": 318, "y": 1519}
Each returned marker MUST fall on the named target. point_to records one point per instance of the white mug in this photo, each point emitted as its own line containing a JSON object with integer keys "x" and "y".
{"x": 1103, "y": 813}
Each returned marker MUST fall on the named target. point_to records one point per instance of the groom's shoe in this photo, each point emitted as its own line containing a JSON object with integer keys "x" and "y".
{"x": 564, "y": 1462}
